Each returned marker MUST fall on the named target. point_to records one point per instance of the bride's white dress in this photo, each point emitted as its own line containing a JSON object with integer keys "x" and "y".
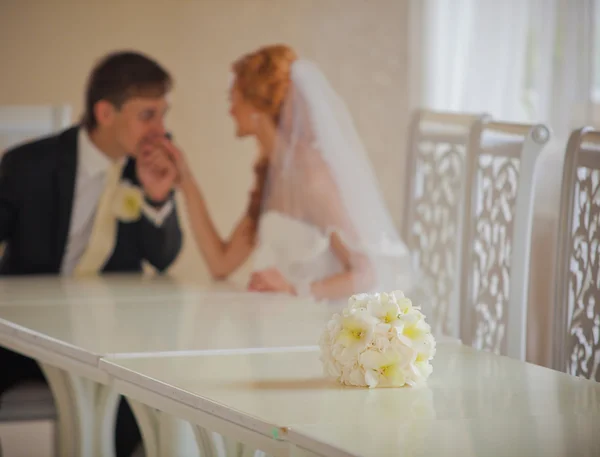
{"x": 302, "y": 253}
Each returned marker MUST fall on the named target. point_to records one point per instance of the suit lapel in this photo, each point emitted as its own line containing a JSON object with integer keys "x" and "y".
{"x": 65, "y": 188}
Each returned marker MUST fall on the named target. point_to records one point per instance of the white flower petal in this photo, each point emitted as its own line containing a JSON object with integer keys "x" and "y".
{"x": 371, "y": 378}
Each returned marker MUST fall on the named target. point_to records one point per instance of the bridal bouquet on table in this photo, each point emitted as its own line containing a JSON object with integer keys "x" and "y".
{"x": 379, "y": 340}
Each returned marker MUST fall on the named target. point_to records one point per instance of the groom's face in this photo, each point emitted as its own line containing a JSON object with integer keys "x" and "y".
{"x": 139, "y": 122}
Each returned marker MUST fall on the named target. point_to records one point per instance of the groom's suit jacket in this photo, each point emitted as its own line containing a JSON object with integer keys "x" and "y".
{"x": 37, "y": 184}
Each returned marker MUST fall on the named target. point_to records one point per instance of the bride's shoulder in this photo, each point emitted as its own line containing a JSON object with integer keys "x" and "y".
{"x": 314, "y": 169}
{"x": 320, "y": 181}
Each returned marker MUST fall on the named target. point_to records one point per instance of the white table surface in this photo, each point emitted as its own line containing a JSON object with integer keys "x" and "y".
{"x": 521, "y": 435}
{"x": 50, "y": 289}
{"x": 268, "y": 392}
{"x": 128, "y": 316}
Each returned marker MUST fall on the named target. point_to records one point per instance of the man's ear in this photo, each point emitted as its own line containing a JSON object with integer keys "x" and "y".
{"x": 105, "y": 112}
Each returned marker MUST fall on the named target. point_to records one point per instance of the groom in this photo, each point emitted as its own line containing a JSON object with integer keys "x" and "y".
{"x": 50, "y": 188}
{"x": 89, "y": 200}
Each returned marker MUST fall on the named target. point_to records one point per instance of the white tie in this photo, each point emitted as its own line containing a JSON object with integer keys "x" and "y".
{"x": 104, "y": 231}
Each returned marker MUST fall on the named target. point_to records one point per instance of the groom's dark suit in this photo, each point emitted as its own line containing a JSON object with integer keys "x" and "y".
{"x": 38, "y": 183}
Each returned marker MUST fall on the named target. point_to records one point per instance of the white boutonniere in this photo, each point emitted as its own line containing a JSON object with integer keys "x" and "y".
{"x": 128, "y": 202}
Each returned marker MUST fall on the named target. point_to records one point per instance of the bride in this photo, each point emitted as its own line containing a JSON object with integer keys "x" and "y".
{"x": 316, "y": 223}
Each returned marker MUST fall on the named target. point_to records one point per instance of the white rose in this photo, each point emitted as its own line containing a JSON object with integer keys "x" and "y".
{"x": 386, "y": 309}
{"x": 357, "y": 331}
{"x": 330, "y": 365}
{"x": 388, "y": 368}
{"x": 359, "y": 301}
{"x": 418, "y": 372}
{"x": 353, "y": 376}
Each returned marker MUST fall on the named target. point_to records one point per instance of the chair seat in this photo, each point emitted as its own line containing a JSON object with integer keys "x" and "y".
{"x": 27, "y": 402}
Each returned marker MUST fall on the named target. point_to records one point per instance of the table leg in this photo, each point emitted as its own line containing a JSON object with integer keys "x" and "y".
{"x": 87, "y": 414}
{"x": 147, "y": 420}
{"x": 176, "y": 437}
{"x": 206, "y": 443}
{"x": 212, "y": 444}
{"x": 73, "y": 398}
{"x": 107, "y": 404}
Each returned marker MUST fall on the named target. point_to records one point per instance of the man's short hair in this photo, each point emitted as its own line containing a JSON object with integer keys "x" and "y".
{"x": 121, "y": 76}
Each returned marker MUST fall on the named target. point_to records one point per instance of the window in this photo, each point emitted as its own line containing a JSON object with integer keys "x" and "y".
{"x": 596, "y": 63}
{"x": 596, "y": 53}
{"x": 529, "y": 97}
{"x": 544, "y": 53}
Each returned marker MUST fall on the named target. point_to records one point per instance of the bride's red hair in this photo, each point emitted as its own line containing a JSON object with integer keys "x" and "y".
{"x": 263, "y": 79}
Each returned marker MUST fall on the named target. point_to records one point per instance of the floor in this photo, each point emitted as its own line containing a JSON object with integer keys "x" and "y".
{"x": 27, "y": 439}
{"x": 32, "y": 439}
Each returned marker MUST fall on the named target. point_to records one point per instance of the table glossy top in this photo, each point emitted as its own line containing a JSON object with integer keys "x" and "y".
{"x": 24, "y": 290}
{"x": 266, "y": 390}
{"x": 556, "y": 435}
{"x": 134, "y": 315}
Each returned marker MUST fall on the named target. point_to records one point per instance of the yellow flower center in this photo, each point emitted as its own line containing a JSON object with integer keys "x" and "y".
{"x": 421, "y": 357}
{"x": 392, "y": 373}
{"x": 385, "y": 370}
{"x": 411, "y": 332}
{"x": 357, "y": 333}
{"x": 130, "y": 203}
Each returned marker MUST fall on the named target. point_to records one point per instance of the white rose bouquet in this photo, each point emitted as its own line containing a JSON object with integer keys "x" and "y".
{"x": 379, "y": 340}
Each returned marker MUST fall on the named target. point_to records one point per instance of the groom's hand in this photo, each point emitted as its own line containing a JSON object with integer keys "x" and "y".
{"x": 156, "y": 173}
{"x": 175, "y": 155}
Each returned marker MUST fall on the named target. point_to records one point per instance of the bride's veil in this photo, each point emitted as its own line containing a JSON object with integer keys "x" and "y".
{"x": 321, "y": 174}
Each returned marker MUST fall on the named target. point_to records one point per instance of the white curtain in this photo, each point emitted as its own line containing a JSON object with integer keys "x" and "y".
{"x": 473, "y": 55}
{"x": 563, "y": 49}
{"x": 518, "y": 60}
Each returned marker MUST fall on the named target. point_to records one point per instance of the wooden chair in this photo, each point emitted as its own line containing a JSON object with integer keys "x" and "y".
{"x": 576, "y": 340}
{"x": 497, "y": 237}
{"x": 440, "y": 145}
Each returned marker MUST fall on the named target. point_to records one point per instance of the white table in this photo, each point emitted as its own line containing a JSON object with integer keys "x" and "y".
{"x": 128, "y": 318}
{"x": 522, "y": 435}
{"x": 268, "y": 400}
{"x": 68, "y": 325}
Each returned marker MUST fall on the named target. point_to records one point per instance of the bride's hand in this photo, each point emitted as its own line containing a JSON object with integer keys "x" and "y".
{"x": 270, "y": 280}
{"x": 184, "y": 175}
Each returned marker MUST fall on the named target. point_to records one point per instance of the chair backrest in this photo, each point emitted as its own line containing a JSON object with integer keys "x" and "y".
{"x": 576, "y": 342}
{"x": 19, "y": 123}
{"x": 497, "y": 237}
{"x": 439, "y": 146}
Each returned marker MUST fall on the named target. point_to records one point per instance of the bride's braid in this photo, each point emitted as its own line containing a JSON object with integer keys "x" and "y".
{"x": 263, "y": 78}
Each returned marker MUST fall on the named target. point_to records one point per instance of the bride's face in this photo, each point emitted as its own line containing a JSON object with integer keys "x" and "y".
{"x": 242, "y": 112}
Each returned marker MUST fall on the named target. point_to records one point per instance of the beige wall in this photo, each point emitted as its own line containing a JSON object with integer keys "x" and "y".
{"x": 49, "y": 46}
